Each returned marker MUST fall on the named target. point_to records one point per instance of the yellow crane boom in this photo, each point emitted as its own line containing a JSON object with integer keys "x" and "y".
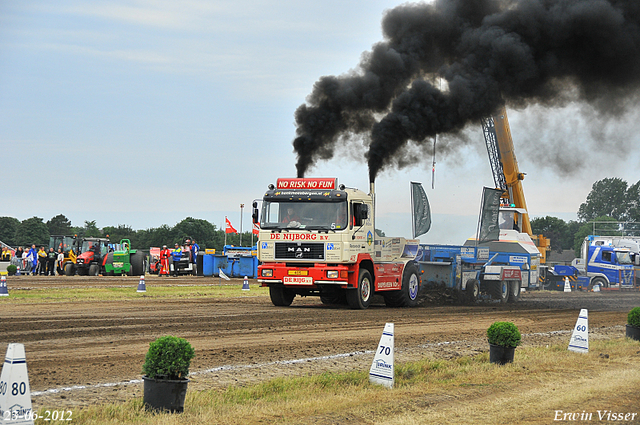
{"x": 506, "y": 174}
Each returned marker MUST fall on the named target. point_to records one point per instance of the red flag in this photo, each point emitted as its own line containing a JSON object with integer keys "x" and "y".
{"x": 256, "y": 228}
{"x": 229, "y": 228}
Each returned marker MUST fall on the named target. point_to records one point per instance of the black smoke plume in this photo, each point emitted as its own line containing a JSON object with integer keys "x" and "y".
{"x": 490, "y": 53}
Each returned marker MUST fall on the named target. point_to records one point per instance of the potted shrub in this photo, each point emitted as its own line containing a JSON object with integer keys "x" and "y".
{"x": 503, "y": 338}
{"x": 165, "y": 368}
{"x": 633, "y": 324}
{"x": 12, "y": 269}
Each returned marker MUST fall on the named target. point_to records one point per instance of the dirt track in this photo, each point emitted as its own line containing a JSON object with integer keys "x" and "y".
{"x": 241, "y": 340}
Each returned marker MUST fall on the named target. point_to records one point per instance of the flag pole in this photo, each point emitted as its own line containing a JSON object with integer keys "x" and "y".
{"x": 225, "y": 230}
{"x": 241, "y": 211}
{"x": 413, "y": 218}
{"x": 479, "y": 226}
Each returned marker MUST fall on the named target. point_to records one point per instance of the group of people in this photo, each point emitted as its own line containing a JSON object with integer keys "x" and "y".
{"x": 36, "y": 261}
{"x": 168, "y": 256}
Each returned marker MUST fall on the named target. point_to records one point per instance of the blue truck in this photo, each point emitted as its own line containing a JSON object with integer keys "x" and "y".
{"x": 467, "y": 273}
{"x": 604, "y": 261}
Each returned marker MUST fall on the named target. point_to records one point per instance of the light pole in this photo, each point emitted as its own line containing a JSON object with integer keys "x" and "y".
{"x": 241, "y": 209}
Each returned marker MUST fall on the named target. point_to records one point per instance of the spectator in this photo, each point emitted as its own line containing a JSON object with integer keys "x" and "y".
{"x": 165, "y": 254}
{"x": 27, "y": 262}
{"x": 194, "y": 251}
{"x": 6, "y": 254}
{"x": 41, "y": 268}
{"x": 33, "y": 257}
{"x": 176, "y": 255}
{"x": 16, "y": 260}
{"x": 60, "y": 261}
{"x": 51, "y": 262}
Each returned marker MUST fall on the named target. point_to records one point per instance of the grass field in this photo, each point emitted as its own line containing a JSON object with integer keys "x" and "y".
{"x": 35, "y": 294}
{"x": 542, "y": 385}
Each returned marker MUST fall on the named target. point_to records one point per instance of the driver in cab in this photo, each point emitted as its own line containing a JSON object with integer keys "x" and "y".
{"x": 291, "y": 216}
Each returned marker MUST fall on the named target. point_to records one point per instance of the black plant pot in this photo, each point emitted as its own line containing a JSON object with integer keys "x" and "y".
{"x": 633, "y": 332}
{"x": 501, "y": 355}
{"x": 165, "y": 394}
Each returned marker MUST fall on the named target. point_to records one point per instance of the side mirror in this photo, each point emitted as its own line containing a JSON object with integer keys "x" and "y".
{"x": 364, "y": 212}
{"x": 360, "y": 213}
{"x": 254, "y": 215}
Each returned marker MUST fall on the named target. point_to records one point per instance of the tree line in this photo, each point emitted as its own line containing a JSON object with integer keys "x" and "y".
{"x": 35, "y": 230}
{"x": 610, "y": 200}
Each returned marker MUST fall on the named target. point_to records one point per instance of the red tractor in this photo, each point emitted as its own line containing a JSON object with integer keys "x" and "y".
{"x": 91, "y": 261}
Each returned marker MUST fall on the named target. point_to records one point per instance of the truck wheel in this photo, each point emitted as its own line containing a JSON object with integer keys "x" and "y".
{"x": 514, "y": 291}
{"x": 281, "y": 296}
{"x": 137, "y": 264}
{"x": 93, "y": 270}
{"x": 69, "y": 269}
{"x": 410, "y": 286}
{"x": 500, "y": 291}
{"x": 333, "y": 296}
{"x": 599, "y": 281}
{"x": 360, "y": 298}
{"x": 472, "y": 291}
{"x": 407, "y": 296}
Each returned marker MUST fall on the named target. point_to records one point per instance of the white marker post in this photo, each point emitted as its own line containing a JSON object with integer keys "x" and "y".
{"x": 245, "y": 284}
{"x": 15, "y": 394}
{"x": 4, "y": 291}
{"x": 567, "y": 285}
{"x": 381, "y": 371}
{"x": 580, "y": 337}
{"x": 142, "y": 287}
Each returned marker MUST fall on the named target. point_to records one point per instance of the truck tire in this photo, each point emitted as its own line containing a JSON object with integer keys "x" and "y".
{"x": 514, "y": 291}
{"x": 69, "y": 269}
{"x": 472, "y": 291}
{"x": 599, "y": 281}
{"x": 360, "y": 297}
{"x": 137, "y": 264}
{"x": 333, "y": 296}
{"x": 93, "y": 270}
{"x": 281, "y": 296}
{"x": 500, "y": 290}
{"x": 407, "y": 296}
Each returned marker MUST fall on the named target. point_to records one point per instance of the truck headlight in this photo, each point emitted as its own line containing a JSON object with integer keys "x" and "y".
{"x": 267, "y": 272}
{"x": 332, "y": 274}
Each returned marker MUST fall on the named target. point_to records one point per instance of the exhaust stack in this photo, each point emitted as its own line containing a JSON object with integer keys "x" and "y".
{"x": 372, "y": 192}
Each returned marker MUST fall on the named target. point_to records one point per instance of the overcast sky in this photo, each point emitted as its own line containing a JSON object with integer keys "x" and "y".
{"x": 146, "y": 112}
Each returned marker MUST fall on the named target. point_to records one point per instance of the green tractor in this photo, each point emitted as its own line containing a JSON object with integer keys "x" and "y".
{"x": 125, "y": 261}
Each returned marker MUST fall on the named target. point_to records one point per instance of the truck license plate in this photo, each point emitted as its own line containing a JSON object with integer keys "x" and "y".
{"x": 297, "y": 280}
{"x": 118, "y": 265}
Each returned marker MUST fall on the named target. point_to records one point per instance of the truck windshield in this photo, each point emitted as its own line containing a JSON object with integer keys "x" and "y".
{"x": 304, "y": 215}
{"x": 623, "y": 257}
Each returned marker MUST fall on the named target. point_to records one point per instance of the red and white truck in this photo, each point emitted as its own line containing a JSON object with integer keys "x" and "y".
{"x": 317, "y": 238}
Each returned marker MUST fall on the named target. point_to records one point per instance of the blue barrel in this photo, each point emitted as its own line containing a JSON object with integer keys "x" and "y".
{"x": 248, "y": 266}
{"x": 235, "y": 268}
{"x": 207, "y": 265}
{"x": 220, "y": 262}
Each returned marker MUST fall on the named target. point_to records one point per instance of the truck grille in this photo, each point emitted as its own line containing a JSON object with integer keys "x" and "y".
{"x": 299, "y": 251}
